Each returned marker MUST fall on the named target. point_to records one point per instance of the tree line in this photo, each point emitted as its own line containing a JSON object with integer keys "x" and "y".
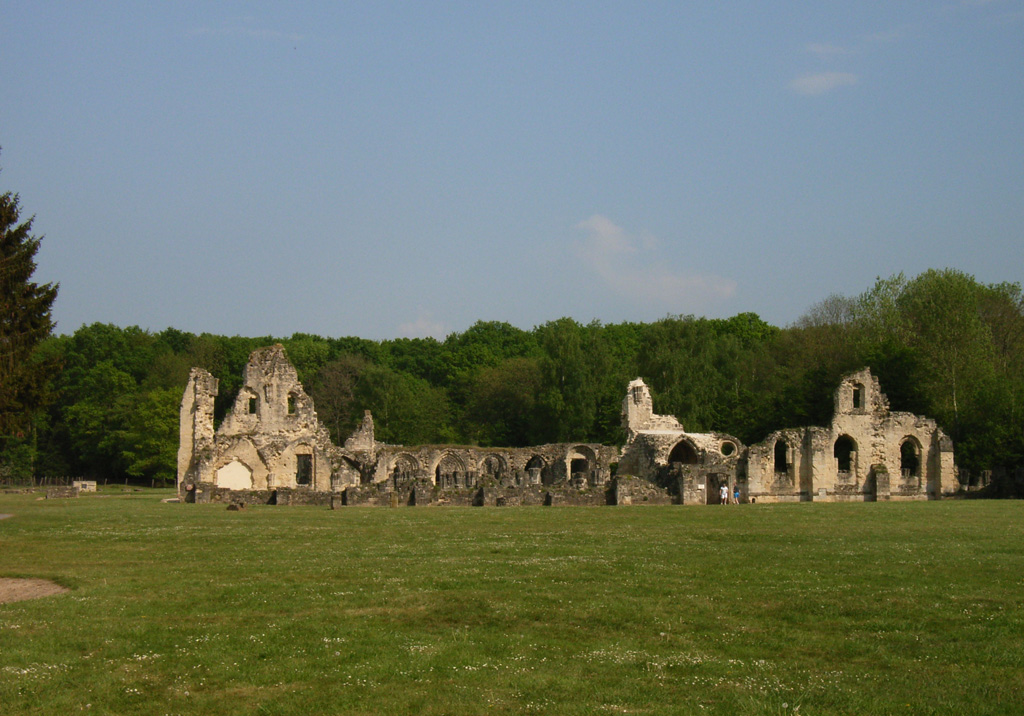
{"x": 942, "y": 344}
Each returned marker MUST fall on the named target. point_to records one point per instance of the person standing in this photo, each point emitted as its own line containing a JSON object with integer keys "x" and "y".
{"x": 723, "y": 494}
{"x": 736, "y": 494}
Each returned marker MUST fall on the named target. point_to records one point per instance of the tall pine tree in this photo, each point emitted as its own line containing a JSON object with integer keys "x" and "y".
{"x": 25, "y": 320}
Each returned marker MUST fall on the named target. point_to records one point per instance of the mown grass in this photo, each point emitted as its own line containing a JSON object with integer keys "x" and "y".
{"x": 756, "y": 609}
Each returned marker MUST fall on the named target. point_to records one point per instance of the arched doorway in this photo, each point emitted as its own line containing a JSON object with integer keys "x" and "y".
{"x": 845, "y": 452}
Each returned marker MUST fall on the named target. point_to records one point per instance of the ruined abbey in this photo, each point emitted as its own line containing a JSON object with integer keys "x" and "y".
{"x": 271, "y": 449}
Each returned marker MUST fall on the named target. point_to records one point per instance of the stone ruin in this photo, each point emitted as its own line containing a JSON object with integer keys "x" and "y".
{"x": 271, "y": 449}
{"x": 867, "y": 453}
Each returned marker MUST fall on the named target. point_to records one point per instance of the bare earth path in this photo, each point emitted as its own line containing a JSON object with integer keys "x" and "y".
{"x": 16, "y": 590}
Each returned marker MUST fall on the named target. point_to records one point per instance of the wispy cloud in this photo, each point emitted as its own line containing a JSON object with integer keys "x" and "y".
{"x": 424, "y": 326}
{"x": 822, "y": 82}
{"x": 246, "y": 27}
{"x": 625, "y": 264}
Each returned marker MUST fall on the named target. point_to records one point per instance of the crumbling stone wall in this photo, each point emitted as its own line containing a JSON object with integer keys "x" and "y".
{"x": 196, "y": 448}
{"x": 690, "y": 466}
{"x": 271, "y": 449}
{"x": 451, "y": 466}
{"x": 866, "y": 453}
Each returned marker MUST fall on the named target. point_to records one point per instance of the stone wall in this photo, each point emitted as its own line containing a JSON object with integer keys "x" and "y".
{"x": 866, "y": 453}
{"x": 271, "y": 449}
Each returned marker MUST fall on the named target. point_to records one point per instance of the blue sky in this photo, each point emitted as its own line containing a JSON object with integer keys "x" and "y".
{"x": 405, "y": 169}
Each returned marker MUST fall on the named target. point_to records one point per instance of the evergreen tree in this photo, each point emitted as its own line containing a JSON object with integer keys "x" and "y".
{"x": 25, "y": 321}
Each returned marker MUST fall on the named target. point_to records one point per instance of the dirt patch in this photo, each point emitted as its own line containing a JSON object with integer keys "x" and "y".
{"x": 4, "y": 517}
{"x": 17, "y": 590}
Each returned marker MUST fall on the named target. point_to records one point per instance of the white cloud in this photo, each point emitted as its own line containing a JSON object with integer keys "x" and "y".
{"x": 617, "y": 258}
{"x": 822, "y": 82}
{"x": 423, "y": 327}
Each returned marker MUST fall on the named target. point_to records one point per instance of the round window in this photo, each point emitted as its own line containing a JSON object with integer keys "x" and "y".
{"x": 728, "y": 449}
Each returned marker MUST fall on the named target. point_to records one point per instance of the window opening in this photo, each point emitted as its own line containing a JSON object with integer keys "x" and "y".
{"x": 858, "y": 398}
{"x": 291, "y": 403}
{"x": 781, "y": 456}
{"x": 252, "y": 406}
{"x": 303, "y": 469}
{"x": 909, "y": 461}
{"x": 843, "y": 452}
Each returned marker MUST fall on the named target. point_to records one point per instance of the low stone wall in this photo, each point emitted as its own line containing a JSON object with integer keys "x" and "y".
{"x": 487, "y": 496}
{"x": 624, "y": 490}
{"x": 207, "y": 493}
{"x": 629, "y": 490}
{"x": 61, "y": 491}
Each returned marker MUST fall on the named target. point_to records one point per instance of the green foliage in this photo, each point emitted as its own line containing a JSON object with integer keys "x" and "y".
{"x": 503, "y": 401}
{"x": 334, "y": 392}
{"x": 942, "y": 345}
{"x": 407, "y": 410}
{"x": 149, "y": 440}
{"x": 25, "y": 321}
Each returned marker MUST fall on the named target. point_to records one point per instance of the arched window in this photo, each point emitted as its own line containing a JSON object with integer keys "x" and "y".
{"x": 781, "y": 456}
{"x": 910, "y": 458}
{"x": 843, "y": 452}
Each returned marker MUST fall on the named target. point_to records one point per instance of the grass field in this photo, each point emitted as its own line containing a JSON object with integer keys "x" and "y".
{"x": 756, "y": 609}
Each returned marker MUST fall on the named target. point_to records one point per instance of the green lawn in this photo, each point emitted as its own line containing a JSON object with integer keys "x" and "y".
{"x": 882, "y": 608}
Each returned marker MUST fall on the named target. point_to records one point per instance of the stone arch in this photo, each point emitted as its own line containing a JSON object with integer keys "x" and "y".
{"x": 493, "y": 466}
{"x": 234, "y": 475}
{"x": 781, "y": 456}
{"x": 451, "y": 471}
{"x": 404, "y": 463}
{"x": 580, "y": 461}
{"x": 684, "y": 452}
{"x": 404, "y": 467}
{"x": 535, "y": 469}
{"x": 910, "y": 458}
{"x": 844, "y": 450}
{"x": 243, "y": 450}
